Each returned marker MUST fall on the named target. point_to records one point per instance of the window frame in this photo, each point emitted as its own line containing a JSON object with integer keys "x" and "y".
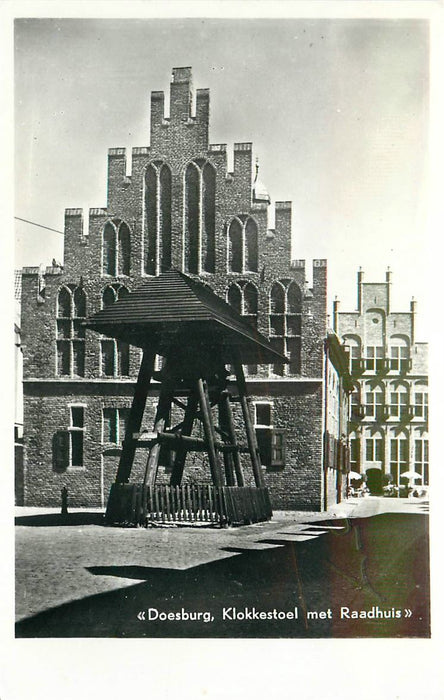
{"x": 118, "y": 413}
{"x": 70, "y": 334}
{"x": 79, "y": 432}
{"x": 243, "y": 221}
{"x": 115, "y": 225}
{"x": 204, "y": 213}
{"x": 288, "y": 340}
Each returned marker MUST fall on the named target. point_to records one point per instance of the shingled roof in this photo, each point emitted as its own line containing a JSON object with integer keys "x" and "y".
{"x": 173, "y": 309}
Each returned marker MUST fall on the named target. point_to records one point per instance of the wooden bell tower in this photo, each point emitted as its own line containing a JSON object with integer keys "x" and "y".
{"x": 198, "y": 335}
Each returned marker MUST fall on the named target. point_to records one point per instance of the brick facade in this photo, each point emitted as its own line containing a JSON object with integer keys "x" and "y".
{"x": 389, "y": 412}
{"x": 178, "y": 206}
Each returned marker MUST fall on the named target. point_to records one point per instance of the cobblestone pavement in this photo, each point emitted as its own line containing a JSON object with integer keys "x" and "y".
{"x": 59, "y": 563}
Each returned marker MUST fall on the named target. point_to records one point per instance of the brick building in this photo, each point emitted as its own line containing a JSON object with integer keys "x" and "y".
{"x": 18, "y": 403}
{"x": 389, "y": 409}
{"x": 179, "y": 207}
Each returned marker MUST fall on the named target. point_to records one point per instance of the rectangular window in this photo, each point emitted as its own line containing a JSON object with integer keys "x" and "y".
{"x": 76, "y": 436}
{"x": 110, "y": 427}
{"x": 114, "y": 422}
{"x": 354, "y": 358}
{"x": 421, "y": 406}
{"x": 78, "y": 348}
{"x": 277, "y": 448}
{"x": 63, "y": 358}
{"x": 63, "y": 329}
{"x": 262, "y": 414}
{"x": 123, "y": 359}
{"x": 399, "y": 457}
{"x": 77, "y": 448}
{"x": 373, "y": 404}
{"x": 422, "y": 459}
{"x": 399, "y": 407}
{"x": 405, "y": 360}
{"x": 123, "y": 422}
{"x": 278, "y": 344}
{"x": 108, "y": 360}
{"x": 374, "y": 450}
{"x": 399, "y": 358}
{"x": 277, "y": 325}
{"x": 354, "y": 451}
{"x": 294, "y": 355}
{"x": 78, "y": 329}
{"x": 271, "y": 443}
{"x": 374, "y": 358}
{"x": 293, "y": 324}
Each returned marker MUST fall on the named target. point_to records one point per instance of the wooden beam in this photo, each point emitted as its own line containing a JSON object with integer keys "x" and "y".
{"x": 228, "y": 456}
{"x": 193, "y": 444}
{"x": 251, "y": 433}
{"x": 187, "y": 429}
{"x": 232, "y": 437}
{"x": 135, "y": 417}
{"x": 178, "y": 403}
{"x": 160, "y": 422}
{"x": 207, "y": 419}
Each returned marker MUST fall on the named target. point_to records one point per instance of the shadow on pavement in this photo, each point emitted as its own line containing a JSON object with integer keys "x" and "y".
{"x": 57, "y": 519}
{"x": 378, "y": 563}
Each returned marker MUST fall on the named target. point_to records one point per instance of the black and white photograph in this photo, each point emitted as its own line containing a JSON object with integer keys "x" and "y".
{"x": 222, "y": 319}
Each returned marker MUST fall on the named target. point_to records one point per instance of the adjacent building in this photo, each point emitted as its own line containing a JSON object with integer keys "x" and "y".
{"x": 177, "y": 205}
{"x": 389, "y": 407}
{"x": 18, "y": 399}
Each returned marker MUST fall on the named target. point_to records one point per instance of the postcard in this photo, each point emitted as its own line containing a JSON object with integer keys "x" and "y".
{"x": 222, "y": 325}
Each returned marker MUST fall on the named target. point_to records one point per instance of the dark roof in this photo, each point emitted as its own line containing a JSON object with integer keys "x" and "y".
{"x": 172, "y": 310}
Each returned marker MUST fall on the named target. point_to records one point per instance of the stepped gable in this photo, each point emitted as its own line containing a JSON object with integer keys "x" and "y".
{"x": 172, "y": 309}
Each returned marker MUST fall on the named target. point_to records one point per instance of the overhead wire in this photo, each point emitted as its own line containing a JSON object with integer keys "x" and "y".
{"x": 33, "y": 223}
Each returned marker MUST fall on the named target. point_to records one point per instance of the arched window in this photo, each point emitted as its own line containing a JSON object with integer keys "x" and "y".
{"x": 242, "y": 244}
{"x": 116, "y": 249}
{"x": 250, "y": 303}
{"x": 243, "y": 297}
{"x": 251, "y": 252}
{"x": 209, "y": 217}
{"x": 109, "y": 249}
{"x": 114, "y": 353}
{"x": 71, "y": 313}
{"x": 235, "y": 246}
{"x": 234, "y": 297}
{"x": 157, "y": 218}
{"x": 200, "y": 212}
{"x": 108, "y": 297}
{"x": 79, "y": 303}
{"x": 112, "y": 293}
{"x": 64, "y": 303}
{"x": 124, "y": 249}
{"x": 285, "y": 325}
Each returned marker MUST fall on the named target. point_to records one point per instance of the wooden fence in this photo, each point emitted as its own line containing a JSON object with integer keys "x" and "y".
{"x": 139, "y": 505}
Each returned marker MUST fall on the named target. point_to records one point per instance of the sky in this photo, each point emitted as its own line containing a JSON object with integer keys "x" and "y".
{"x": 337, "y": 110}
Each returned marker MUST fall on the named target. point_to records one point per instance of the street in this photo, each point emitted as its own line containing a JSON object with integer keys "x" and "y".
{"x": 360, "y": 570}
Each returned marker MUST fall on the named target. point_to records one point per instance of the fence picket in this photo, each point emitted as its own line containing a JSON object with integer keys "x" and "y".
{"x": 136, "y": 504}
